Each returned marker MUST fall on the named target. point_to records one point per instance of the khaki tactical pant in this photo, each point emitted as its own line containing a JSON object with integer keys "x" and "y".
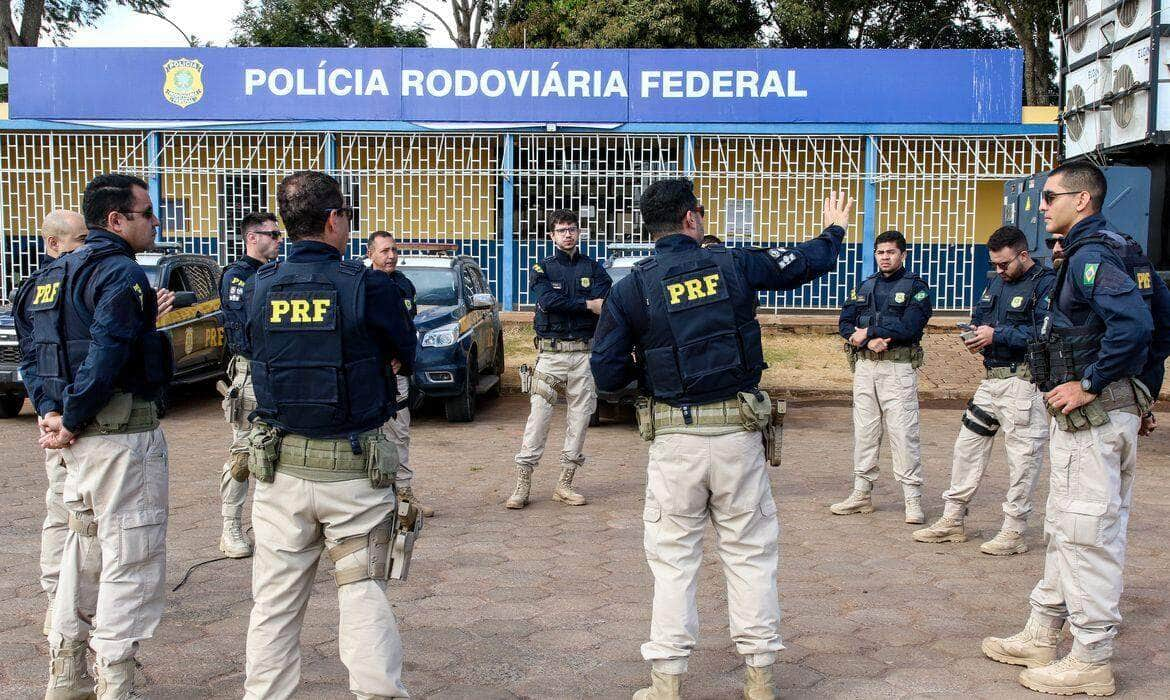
{"x": 55, "y": 528}
{"x": 397, "y": 429}
{"x": 1019, "y": 407}
{"x": 724, "y": 479}
{"x": 293, "y": 519}
{"x": 1085, "y": 524}
{"x": 233, "y": 494}
{"x": 885, "y": 399}
{"x": 111, "y": 587}
{"x": 572, "y": 368}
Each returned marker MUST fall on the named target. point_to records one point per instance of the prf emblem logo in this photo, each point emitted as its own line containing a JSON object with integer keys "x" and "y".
{"x": 899, "y": 297}
{"x": 46, "y": 294}
{"x": 312, "y": 311}
{"x": 1144, "y": 280}
{"x": 1017, "y": 302}
{"x": 687, "y": 291}
{"x": 184, "y": 81}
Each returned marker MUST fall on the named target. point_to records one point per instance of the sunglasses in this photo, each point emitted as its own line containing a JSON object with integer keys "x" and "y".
{"x": 274, "y": 235}
{"x": 1051, "y": 242}
{"x": 147, "y": 213}
{"x": 1049, "y": 196}
{"x": 346, "y": 211}
{"x": 701, "y": 209}
{"x": 1005, "y": 265}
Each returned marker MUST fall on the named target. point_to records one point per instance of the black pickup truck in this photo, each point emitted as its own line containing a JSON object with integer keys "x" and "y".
{"x": 194, "y": 324}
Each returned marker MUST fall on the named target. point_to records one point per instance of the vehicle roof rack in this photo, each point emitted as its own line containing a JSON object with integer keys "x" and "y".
{"x": 433, "y": 248}
{"x": 629, "y": 247}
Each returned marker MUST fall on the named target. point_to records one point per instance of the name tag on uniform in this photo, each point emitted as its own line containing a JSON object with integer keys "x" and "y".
{"x": 694, "y": 289}
{"x": 302, "y": 311}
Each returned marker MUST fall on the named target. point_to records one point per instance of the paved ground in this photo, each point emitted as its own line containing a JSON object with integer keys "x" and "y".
{"x": 553, "y": 601}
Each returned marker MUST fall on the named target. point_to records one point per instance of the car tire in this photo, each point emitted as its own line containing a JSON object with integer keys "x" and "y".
{"x": 461, "y": 408}
{"x": 10, "y": 405}
{"x": 498, "y": 368}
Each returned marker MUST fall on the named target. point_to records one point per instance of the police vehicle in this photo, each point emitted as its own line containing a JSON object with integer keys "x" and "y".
{"x": 460, "y": 338}
{"x": 194, "y": 325}
{"x": 619, "y": 263}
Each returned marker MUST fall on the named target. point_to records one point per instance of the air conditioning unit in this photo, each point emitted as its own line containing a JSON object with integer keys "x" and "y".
{"x": 1085, "y": 126}
{"x": 1129, "y": 96}
{"x": 1090, "y": 31}
{"x": 1132, "y": 16}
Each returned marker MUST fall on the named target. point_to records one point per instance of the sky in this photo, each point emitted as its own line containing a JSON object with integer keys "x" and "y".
{"x": 209, "y": 20}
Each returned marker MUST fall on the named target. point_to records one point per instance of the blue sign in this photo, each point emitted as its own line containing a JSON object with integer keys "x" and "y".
{"x": 516, "y": 85}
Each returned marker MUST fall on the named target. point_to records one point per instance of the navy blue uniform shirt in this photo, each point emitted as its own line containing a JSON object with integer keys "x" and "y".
{"x": 617, "y": 332}
{"x": 902, "y": 331}
{"x": 234, "y": 294}
{"x": 560, "y": 285}
{"x": 1013, "y": 332}
{"x": 1097, "y": 288}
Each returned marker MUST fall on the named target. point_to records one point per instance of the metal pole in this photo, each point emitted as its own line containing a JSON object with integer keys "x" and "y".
{"x": 508, "y": 276}
{"x": 869, "y": 224}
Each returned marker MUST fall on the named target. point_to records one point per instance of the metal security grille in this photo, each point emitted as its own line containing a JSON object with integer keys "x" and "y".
{"x": 929, "y": 189}
{"x": 769, "y": 191}
{"x": 42, "y": 171}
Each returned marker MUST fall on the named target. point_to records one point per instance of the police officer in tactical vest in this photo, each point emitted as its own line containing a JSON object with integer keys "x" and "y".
{"x": 382, "y": 251}
{"x": 261, "y": 235}
{"x": 98, "y": 365}
{"x": 1005, "y": 320}
{"x": 568, "y": 288}
{"x": 688, "y": 315}
{"x": 1099, "y": 360}
{"x": 326, "y": 336}
{"x": 883, "y": 322}
{"x": 62, "y": 231}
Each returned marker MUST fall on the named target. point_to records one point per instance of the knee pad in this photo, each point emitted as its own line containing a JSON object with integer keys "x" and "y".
{"x": 979, "y": 421}
{"x": 375, "y": 544}
{"x": 83, "y": 524}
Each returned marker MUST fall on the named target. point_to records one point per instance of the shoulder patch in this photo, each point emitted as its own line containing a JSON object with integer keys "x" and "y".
{"x": 920, "y": 295}
{"x": 537, "y": 268}
{"x": 1089, "y": 274}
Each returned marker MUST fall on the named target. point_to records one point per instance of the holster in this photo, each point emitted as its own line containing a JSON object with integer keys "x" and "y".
{"x": 382, "y": 461}
{"x": 644, "y": 413}
{"x": 851, "y": 356}
{"x": 755, "y": 409}
{"x": 263, "y": 451}
{"x": 1037, "y": 358}
{"x": 774, "y": 433}
{"x": 407, "y": 528}
{"x": 124, "y": 413}
{"x": 525, "y": 379}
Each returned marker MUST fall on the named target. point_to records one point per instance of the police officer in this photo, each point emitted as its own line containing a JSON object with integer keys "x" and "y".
{"x": 261, "y": 235}
{"x": 326, "y": 335}
{"x": 62, "y": 231}
{"x": 688, "y": 316}
{"x": 99, "y": 364}
{"x": 1004, "y": 321}
{"x": 568, "y": 288}
{"x": 382, "y": 251}
{"x": 1092, "y": 360}
{"x": 883, "y": 322}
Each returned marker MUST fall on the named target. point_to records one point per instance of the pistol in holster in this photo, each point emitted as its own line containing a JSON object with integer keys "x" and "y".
{"x": 407, "y": 528}
{"x": 263, "y": 451}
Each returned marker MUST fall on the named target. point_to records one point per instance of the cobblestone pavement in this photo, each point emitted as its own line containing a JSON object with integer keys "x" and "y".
{"x": 554, "y": 601}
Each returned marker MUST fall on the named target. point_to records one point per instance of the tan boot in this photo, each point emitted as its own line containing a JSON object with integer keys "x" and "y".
{"x": 943, "y": 530}
{"x": 115, "y": 681}
{"x": 232, "y": 542}
{"x": 1005, "y": 542}
{"x": 564, "y": 492}
{"x": 858, "y": 502}
{"x": 406, "y": 493}
{"x": 1034, "y": 646}
{"x": 758, "y": 684}
{"x": 663, "y": 686}
{"x": 1070, "y": 677}
{"x": 519, "y": 497}
{"x": 914, "y": 514}
{"x": 68, "y": 677}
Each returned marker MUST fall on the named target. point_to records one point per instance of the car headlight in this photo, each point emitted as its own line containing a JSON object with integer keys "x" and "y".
{"x": 441, "y": 336}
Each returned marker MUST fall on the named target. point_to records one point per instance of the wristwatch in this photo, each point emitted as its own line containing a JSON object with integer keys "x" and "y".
{"x": 1087, "y": 385}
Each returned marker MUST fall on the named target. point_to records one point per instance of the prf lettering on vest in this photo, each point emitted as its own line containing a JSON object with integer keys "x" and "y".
{"x": 1144, "y": 281}
{"x": 694, "y": 288}
{"x": 47, "y": 293}
{"x": 298, "y": 310}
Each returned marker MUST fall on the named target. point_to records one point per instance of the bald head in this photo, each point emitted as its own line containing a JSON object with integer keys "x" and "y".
{"x": 63, "y": 231}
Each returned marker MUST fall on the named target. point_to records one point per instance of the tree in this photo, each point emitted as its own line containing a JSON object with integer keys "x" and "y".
{"x": 333, "y": 23}
{"x": 644, "y": 24}
{"x": 467, "y": 18}
{"x": 1034, "y": 22}
{"x": 891, "y": 24}
{"x": 56, "y": 19}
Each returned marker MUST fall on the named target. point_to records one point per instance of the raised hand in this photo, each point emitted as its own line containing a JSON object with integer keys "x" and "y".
{"x": 838, "y": 210}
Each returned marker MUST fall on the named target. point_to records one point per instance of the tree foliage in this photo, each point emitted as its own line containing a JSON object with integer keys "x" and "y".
{"x": 647, "y": 24}
{"x": 24, "y": 23}
{"x": 332, "y": 23}
{"x": 938, "y": 24}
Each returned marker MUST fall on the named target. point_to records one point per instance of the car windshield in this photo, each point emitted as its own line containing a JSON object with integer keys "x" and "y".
{"x": 618, "y": 273}
{"x": 434, "y": 286}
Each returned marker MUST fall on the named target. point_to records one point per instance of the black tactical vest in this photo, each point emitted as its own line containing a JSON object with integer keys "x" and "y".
{"x": 1010, "y": 303}
{"x": 895, "y": 306}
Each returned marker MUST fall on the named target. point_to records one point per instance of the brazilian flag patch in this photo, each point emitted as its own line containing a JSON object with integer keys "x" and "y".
{"x": 920, "y": 295}
{"x": 1089, "y": 276}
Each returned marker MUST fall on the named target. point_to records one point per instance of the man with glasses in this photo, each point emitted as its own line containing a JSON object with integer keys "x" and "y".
{"x": 326, "y": 335}
{"x": 1099, "y": 360}
{"x": 261, "y": 235}
{"x": 382, "y": 251}
{"x": 883, "y": 323}
{"x": 688, "y": 314}
{"x": 1005, "y": 320}
{"x": 568, "y": 288}
{"x": 99, "y": 365}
